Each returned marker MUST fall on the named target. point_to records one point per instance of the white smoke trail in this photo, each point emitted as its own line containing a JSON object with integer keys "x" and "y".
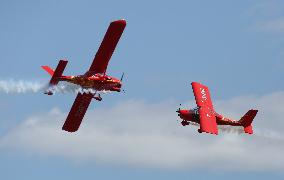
{"x": 72, "y": 88}
{"x": 269, "y": 134}
{"x": 257, "y": 132}
{"x": 231, "y": 129}
{"x": 22, "y": 86}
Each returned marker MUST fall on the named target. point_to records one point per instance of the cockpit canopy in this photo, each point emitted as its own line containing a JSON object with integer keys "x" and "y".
{"x": 196, "y": 110}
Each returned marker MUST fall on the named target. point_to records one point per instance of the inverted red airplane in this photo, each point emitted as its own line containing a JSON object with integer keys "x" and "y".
{"x": 205, "y": 115}
{"x": 95, "y": 78}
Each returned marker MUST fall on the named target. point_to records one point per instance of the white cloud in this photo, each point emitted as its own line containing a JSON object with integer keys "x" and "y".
{"x": 274, "y": 25}
{"x": 266, "y": 16}
{"x": 144, "y": 134}
{"x": 265, "y": 9}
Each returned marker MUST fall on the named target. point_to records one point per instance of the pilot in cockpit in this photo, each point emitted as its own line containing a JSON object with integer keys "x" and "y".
{"x": 195, "y": 110}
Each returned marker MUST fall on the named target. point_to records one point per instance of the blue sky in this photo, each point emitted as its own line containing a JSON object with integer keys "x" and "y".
{"x": 234, "y": 47}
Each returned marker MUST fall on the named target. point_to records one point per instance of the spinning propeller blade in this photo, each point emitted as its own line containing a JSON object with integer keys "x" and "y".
{"x": 122, "y": 77}
{"x": 178, "y": 110}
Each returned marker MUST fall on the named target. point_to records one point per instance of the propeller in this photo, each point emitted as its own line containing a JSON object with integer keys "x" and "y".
{"x": 178, "y": 110}
{"x": 122, "y": 77}
{"x": 121, "y": 81}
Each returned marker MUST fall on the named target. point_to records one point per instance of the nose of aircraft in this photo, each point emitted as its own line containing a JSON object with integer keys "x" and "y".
{"x": 182, "y": 112}
{"x": 119, "y": 84}
{"x": 178, "y": 111}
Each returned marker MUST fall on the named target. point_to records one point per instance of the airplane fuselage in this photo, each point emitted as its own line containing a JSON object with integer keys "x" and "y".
{"x": 97, "y": 82}
{"x": 192, "y": 115}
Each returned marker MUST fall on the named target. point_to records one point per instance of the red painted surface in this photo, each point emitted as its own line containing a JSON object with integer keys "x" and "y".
{"x": 107, "y": 47}
{"x": 57, "y": 73}
{"x": 207, "y": 120}
{"x": 206, "y": 116}
{"x": 77, "y": 112}
{"x": 205, "y": 108}
{"x": 202, "y": 95}
{"x": 95, "y": 78}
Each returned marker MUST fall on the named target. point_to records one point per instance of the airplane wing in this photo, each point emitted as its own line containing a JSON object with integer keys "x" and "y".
{"x": 202, "y": 95}
{"x": 207, "y": 120}
{"x": 107, "y": 47}
{"x": 205, "y": 107}
{"x": 77, "y": 112}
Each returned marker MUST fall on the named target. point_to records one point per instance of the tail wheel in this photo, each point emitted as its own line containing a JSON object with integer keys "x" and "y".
{"x": 98, "y": 98}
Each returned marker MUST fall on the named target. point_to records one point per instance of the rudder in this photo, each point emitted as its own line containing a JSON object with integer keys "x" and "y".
{"x": 247, "y": 119}
{"x": 48, "y": 69}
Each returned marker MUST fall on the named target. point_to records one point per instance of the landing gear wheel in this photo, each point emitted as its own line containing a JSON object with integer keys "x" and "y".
{"x": 184, "y": 123}
{"x": 199, "y": 130}
{"x": 98, "y": 98}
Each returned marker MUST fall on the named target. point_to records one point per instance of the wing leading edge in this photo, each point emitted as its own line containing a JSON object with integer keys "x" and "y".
{"x": 106, "y": 49}
{"x": 77, "y": 112}
{"x": 205, "y": 107}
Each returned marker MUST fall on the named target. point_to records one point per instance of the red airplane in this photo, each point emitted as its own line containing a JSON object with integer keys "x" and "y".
{"x": 205, "y": 115}
{"x": 95, "y": 78}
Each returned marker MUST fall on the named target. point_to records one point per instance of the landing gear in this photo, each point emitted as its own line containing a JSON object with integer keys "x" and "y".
{"x": 184, "y": 123}
{"x": 199, "y": 130}
{"x": 49, "y": 93}
{"x": 98, "y": 98}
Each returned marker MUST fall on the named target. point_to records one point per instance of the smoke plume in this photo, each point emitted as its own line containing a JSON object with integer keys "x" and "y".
{"x": 20, "y": 86}
{"x": 23, "y": 86}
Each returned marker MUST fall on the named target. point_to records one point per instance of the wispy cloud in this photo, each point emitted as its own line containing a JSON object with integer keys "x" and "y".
{"x": 267, "y": 16}
{"x": 144, "y": 134}
{"x": 265, "y": 9}
{"x": 274, "y": 25}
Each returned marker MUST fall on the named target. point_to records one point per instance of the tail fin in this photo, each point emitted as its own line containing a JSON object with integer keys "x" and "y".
{"x": 48, "y": 69}
{"x": 247, "y": 119}
{"x": 57, "y": 73}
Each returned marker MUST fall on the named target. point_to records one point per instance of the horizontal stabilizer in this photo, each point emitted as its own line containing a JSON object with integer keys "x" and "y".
{"x": 48, "y": 69}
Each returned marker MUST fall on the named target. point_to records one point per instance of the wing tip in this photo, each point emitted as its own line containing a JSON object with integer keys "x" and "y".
{"x": 120, "y": 21}
{"x": 69, "y": 129}
{"x": 214, "y": 132}
{"x": 198, "y": 84}
{"x": 254, "y": 110}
